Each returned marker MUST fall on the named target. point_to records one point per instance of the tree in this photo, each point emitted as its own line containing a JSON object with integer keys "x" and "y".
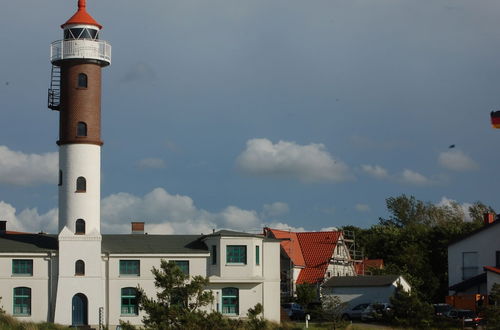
{"x": 333, "y": 308}
{"x": 410, "y": 311}
{"x": 492, "y": 312}
{"x": 178, "y": 300}
{"x": 306, "y": 294}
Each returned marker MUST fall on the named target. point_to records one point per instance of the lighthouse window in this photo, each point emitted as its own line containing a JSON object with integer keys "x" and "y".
{"x": 81, "y": 33}
{"x": 81, "y": 184}
{"x": 82, "y": 80}
{"x": 79, "y": 268}
{"x": 80, "y": 227}
{"x": 60, "y": 178}
{"x": 81, "y": 129}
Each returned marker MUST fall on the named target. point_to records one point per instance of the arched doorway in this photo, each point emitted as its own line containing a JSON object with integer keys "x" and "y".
{"x": 79, "y": 306}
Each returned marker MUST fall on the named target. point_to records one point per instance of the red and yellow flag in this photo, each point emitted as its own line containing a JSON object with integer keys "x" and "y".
{"x": 495, "y": 119}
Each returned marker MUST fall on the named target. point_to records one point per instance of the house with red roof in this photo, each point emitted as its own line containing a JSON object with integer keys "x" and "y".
{"x": 311, "y": 257}
{"x": 474, "y": 260}
{"x": 366, "y": 266}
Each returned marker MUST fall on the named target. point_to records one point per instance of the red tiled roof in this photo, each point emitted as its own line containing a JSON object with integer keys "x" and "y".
{"x": 366, "y": 264}
{"x": 317, "y": 249}
{"x": 492, "y": 269}
{"x": 82, "y": 17}
{"x": 290, "y": 245}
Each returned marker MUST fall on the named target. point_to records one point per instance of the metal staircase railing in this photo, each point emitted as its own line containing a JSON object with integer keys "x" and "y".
{"x": 54, "y": 93}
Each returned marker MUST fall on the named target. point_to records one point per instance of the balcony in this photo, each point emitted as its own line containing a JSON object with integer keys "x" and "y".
{"x": 99, "y": 50}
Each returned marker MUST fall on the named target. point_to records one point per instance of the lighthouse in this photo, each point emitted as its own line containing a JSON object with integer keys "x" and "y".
{"x": 75, "y": 92}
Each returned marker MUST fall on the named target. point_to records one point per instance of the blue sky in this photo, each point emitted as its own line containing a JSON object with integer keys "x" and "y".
{"x": 239, "y": 114}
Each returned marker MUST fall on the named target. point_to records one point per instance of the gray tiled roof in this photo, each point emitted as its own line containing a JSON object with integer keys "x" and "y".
{"x": 154, "y": 244}
{"x": 28, "y": 243}
{"x": 231, "y": 233}
{"x": 350, "y": 281}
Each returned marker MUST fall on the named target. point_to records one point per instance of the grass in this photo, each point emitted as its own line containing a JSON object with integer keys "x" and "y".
{"x": 8, "y": 322}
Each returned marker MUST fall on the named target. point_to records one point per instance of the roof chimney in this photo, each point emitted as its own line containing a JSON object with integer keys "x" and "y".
{"x": 137, "y": 228}
{"x": 3, "y": 226}
{"x": 488, "y": 218}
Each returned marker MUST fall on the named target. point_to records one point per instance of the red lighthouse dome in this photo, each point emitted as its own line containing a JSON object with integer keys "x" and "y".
{"x": 82, "y": 17}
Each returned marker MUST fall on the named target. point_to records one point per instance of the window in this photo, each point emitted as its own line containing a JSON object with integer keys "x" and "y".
{"x": 60, "y": 178}
{"x": 469, "y": 263}
{"x": 129, "y": 302}
{"x": 236, "y": 254}
{"x": 80, "y": 227}
{"x": 81, "y": 129}
{"x": 22, "y": 267}
{"x": 214, "y": 254}
{"x": 81, "y": 184}
{"x": 79, "y": 268}
{"x": 257, "y": 255}
{"x": 82, "y": 80}
{"x": 497, "y": 265}
{"x": 81, "y": 33}
{"x": 230, "y": 301}
{"x": 183, "y": 265}
{"x": 22, "y": 301}
{"x": 130, "y": 267}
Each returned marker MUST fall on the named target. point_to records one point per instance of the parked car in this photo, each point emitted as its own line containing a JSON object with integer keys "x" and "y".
{"x": 469, "y": 317}
{"x": 371, "y": 312}
{"x": 354, "y": 313}
{"x": 442, "y": 309}
{"x": 294, "y": 311}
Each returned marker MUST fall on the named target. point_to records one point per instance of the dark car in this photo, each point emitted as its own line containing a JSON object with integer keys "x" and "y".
{"x": 354, "y": 313}
{"x": 294, "y": 311}
{"x": 468, "y": 317}
{"x": 442, "y": 309}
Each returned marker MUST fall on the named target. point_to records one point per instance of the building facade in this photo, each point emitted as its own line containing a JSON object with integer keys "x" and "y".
{"x": 472, "y": 260}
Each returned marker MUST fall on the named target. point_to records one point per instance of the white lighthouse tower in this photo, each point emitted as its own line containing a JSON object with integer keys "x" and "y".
{"x": 75, "y": 92}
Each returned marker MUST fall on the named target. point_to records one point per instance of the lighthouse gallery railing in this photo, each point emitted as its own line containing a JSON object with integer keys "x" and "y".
{"x": 87, "y": 49}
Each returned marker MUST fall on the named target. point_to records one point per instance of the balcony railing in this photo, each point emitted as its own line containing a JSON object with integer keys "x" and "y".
{"x": 80, "y": 49}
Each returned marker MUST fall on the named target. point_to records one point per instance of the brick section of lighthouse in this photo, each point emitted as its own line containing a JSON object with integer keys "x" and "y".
{"x": 80, "y": 104}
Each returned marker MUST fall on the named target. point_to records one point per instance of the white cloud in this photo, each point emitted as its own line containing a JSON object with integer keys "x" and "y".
{"x": 28, "y": 220}
{"x": 329, "y": 229}
{"x": 284, "y": 226}
{"x": 307, "y": 163}
{"x": 275, "y": 209}
{"x": 165, "y": 213}
{"x": 451, "y": 203}
{"x": 362, "y": 207}
{"x": 415, "y": 178}
{"x": 151, "y": 163}
{"x": 18, "y": 168}
{"x": 456, "y": 160}
{"x": 407, "y": 176}
{"x": 375, "y": 171}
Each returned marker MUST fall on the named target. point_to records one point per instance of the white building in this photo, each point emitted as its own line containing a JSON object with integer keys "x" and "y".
{"x": 474, "y": 260}
{"x": 355, "y": 290}
{"x": 81, "y": 277}
{"x": 242, "y": 269}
